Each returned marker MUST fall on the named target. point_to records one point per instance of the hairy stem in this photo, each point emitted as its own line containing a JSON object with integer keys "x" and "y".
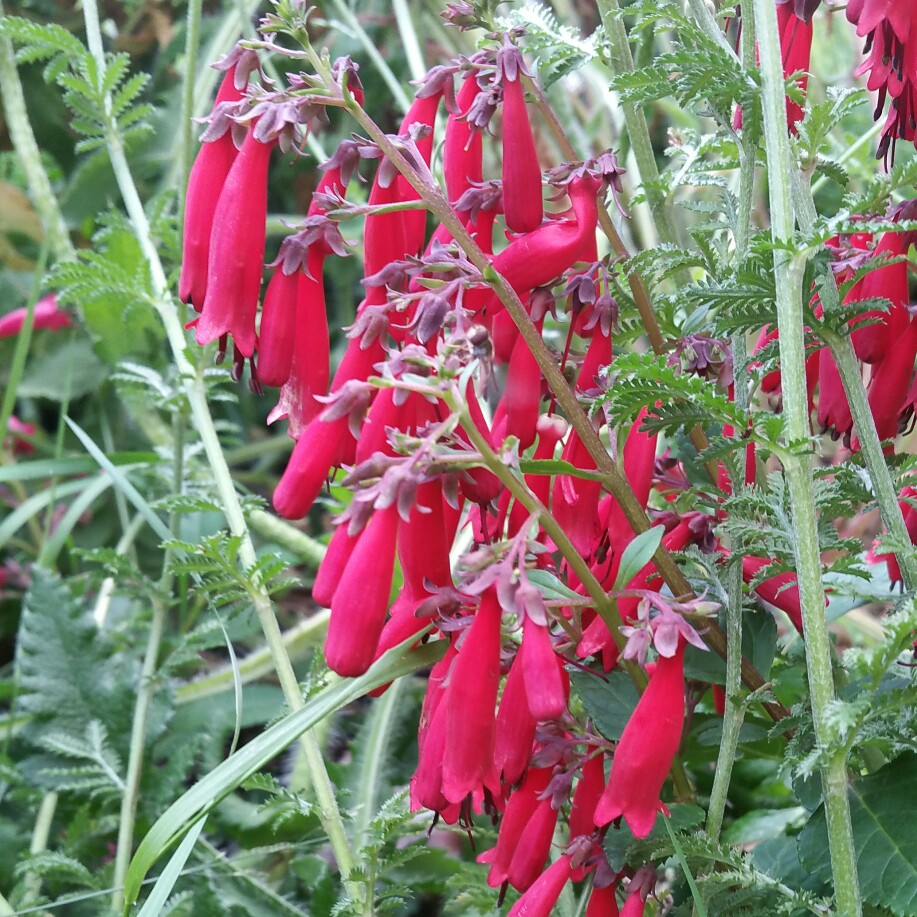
{"x": 788, "y": 272}
{"x": 734, "y": 713}
{"x": 203, "y": 422}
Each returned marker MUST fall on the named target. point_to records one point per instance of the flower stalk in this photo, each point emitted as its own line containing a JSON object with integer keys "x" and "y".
{"x": 788, "y": 271}
{"x": 203, "y": 422}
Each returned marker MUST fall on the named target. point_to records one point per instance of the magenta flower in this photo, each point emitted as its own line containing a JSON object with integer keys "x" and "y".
{"x": 47, "y": 316}
{"x": 890, "y": 28}
{"x": 205, "y": 182}
{"x": 515, "y": 826}
{"x": 541, "y": 897}
{"x": 360, "y": 600}
{"x": 522, "y": 201}
{"x": 471, "y": 701}
{"x": 515, "y": 727}
{"x": 648, "y": 745}
{"x": 237, "y": 250}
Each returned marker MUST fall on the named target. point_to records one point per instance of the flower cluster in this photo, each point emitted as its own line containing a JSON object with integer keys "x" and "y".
{"x": 441, "y": 389}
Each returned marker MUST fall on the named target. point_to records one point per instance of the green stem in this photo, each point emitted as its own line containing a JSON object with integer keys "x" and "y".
{"x": 622, "y": 61}
{"x": 40, "y": 834}
{"x": 303, "y": 636}
{"x": 20, "y": 130}
{"x": 734, "y": 713}
{"x": 788, "y": 273}
{"x": 281, "y": 532}
{"x": 195, "y": 392}
{"x": 147, "y": 688}
{"x": 192, "y": 44}
{"x": 131, "y": 795}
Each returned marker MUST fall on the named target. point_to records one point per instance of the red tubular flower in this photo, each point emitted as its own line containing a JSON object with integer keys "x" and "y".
{"x": 515, "y": 728}
{"x": 309, "y": 362}
{"x": 537, "y": 258}
{"x": 833, "y": 407}
{"x": 278, "y": 331}
{"x": 237, "y": 250}
{"x": 891, "y": 380}
{"x": 514, "y": 824}
{"x": 462, "y": 148}
{"x": 540, "y": 899}
{"x": 648, "y": 745}
{"x": 890, "y": 27}
{"x": 323, "y": 444}
{"x": 794, "y": 23}
{"x": 522, "y": 396}
{"x": 575, "y": 501}
{"x": 423, "y": 544}
{"x": 427, "y": 782}
{"x": 544, "y": 682}
{"x": 331, "y": 569}
{"x": 586, "y": 797}
{"x": 422, "y": 111}
{"x": 795, "y": 47}
{"x": 910, "y": 523}
{"x": 522, "y": 201}
{"x": 603, "y": 902}
{"x": 470, "y": 703}
{"x": 205, "y": 182}
{"x": 529, "y": 857}
{"x": 478, "y": 485}
{"x": 775, "y": 589}
{"x": 361, "y": 599}
{"x": 47, "y": 316}
{"x": 384, "y": 238}
{"x": 873, "y": 342}
{"x": 635, "y": 905}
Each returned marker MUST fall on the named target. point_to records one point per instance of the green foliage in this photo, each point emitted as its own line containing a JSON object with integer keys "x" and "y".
{"x": 75, "y": 685}
{"x": 558, "y": 48}
{"x": 698, "y": 72}
{"x": 103, "y": 102}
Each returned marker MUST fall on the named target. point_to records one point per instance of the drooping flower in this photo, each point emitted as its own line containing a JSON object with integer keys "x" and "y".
{"x": 471, "y": 699}
{"x": 522, "y": 201}
{"x": 541, "y": 897}
{"x": 514, "y": 825}
{"x": 205, "y": 182}
{"x": 890, "y": 29}
{"x": 360, "y": 601}
{"x": 236, "y": 258}
{"x": 47, "y": 315}
{"x": 515, "y": 727}
{"x": 647, "y": 747}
